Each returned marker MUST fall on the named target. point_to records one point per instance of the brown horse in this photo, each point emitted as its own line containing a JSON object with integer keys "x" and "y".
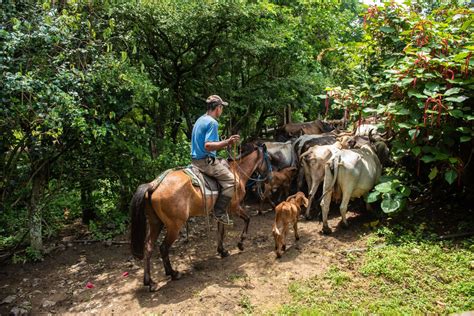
{"x": 171, "y": 202}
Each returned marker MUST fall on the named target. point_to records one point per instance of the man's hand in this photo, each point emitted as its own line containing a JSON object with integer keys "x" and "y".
{"x": 233, "y": 139}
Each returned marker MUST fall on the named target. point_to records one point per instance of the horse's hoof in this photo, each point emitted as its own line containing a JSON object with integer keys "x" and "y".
{"x": 283, "y": 248}
{"x": 240, "y": 245}
{"x": 326, "y": 230}
{"x": 297, "y": 238}
{"x": 307, "y": 217}
{"x": 152, "y": 286}
{"x": 224, "y": 253}
{"x": 175, "y": 275}
{"x": 278, "y": 255}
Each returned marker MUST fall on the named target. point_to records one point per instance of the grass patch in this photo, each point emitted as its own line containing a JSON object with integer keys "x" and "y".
{"x": 406, "y": 276}
{"x": 246, "y": 305}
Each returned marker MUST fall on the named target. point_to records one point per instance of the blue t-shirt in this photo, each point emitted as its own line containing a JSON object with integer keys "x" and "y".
{"x": 205, "y": 130}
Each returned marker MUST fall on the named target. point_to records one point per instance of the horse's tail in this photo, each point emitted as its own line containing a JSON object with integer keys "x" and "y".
{"x": 138, "y": 227}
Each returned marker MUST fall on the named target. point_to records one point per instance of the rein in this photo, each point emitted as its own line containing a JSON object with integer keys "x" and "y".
{"x": 266, "y": 159}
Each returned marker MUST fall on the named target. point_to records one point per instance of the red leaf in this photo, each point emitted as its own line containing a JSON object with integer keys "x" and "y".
{"x": 125, "y": 274}
{"x": 89, "y": 285}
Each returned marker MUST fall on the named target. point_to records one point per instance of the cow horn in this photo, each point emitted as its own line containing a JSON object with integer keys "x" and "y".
{"x": 371, "y": 139}
{"x": 304, "y": 154}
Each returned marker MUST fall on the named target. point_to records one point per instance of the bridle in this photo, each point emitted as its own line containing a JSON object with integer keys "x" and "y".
{"x": 266, "y": 159}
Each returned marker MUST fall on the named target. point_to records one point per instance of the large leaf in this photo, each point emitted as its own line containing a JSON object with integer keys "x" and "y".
{"x": 387, "y": 29}
{"x": 385, "y": 187}
{"x": 416, "y": 94}
{"x": 458, "y": 99}
{"x": 456, "y": 113}
{"x": 428, "y": 158}
{"x": 373, "y": 196}
{"x": 390, "y": 205}
{"x": 432, "y": 86}
{"x": 450, "y": 176}
{"x": 452, "y": 91}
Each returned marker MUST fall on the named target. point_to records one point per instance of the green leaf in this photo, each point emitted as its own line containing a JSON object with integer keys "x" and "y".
{"x": 373, "y": 196}
{"x": 464, "y": 139}
{"x": 390, "y": 205}
{"x": 458, "y": 99}
{"x": 413, "y": 133}
{"x": 415, "y": 93}
{"x": 456, "y": 113}
{"x": 405, "y": 191}
{"x": 387, "y": 29}
{"x": 433, "y": 173}
{"x": 385, "y": 187}
{"x": 416, "y": 150}
{"x": 461, "y": 56}
{"x": 452, "y": 91}
{"x": 450, "y": 176}
{"x": 433, "y": 86}
{"x": 428, "y": 158}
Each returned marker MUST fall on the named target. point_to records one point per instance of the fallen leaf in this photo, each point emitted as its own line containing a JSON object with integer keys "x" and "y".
{"x": 125, "y": 274}
{"x": 89, "y": 285}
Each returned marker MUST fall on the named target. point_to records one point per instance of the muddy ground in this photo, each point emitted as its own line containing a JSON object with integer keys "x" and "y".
{"x": 103, "y": 277}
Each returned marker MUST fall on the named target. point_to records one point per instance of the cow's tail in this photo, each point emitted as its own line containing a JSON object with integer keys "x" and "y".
{"x": 331, "y": 170}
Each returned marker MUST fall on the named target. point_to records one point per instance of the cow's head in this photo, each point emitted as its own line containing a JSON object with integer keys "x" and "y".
{"x": 381, "y": 149}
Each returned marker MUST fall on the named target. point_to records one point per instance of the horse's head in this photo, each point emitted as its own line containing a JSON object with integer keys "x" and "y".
{"x": 264, "y": 168}
{"x": 255, "y": 157}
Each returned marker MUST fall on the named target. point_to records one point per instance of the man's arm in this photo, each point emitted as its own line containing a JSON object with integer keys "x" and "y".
{"x": 211, "y": 146}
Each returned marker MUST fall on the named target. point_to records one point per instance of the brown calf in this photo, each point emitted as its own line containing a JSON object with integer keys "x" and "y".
{"x": 281, "y": 180}
{"x": 287, "y": 213}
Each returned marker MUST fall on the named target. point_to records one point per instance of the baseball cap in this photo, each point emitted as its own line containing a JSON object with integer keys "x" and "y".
{"x": 215, "y": 99}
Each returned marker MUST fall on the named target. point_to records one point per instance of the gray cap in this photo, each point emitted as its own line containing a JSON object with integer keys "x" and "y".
{"x": 215, "y": 99}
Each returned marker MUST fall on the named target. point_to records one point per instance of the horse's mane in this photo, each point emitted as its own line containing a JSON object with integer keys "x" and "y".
{"x": 245, "y": 150}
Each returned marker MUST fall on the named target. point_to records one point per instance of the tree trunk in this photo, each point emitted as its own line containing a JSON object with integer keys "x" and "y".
{"x": 87, "y": 205}
{"x": 38, "y": 181}
{"x": 289, "y": 113}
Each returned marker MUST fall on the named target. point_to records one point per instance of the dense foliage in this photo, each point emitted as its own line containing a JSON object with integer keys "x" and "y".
{"x": 414, "y": 70}
{"x": 99, "y": 97}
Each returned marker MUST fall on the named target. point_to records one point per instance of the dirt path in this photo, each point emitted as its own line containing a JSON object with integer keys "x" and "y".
{"x": 249, "y": 280}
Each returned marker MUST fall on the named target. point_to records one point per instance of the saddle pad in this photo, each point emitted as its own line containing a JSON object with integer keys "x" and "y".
{"x": 212, "y": 187}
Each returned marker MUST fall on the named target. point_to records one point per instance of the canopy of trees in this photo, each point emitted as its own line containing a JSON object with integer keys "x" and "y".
{"x": 99, "y": 97}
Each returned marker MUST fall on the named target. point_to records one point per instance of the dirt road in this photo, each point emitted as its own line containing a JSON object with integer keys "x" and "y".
{"x": 249, "y": 280}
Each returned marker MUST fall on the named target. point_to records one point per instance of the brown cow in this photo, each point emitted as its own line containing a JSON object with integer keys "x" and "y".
{"x": 290, "y": 130}
{"x": 280, "y": 180}
{"x": 286, "y": 213}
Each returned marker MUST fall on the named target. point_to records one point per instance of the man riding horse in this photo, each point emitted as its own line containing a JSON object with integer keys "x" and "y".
{"x": 204, "y": 144}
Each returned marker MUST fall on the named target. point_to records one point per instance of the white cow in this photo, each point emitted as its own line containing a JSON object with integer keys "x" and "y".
{"x": 313, "y": 162}
{"x": 351, "y": 173}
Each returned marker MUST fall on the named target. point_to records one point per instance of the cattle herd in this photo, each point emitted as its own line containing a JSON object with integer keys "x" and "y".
{"x": 347, "y": 164}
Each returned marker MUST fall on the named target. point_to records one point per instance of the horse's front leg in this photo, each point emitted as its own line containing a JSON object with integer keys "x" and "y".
{"x": 220, "y": 240}
{"x": 243, "y": 215}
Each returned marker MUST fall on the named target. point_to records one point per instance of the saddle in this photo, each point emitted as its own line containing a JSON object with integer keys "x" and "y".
{"x": 208, "y": 185}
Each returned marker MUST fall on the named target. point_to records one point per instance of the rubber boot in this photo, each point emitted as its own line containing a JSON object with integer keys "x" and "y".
{"x": 220, "y": 209}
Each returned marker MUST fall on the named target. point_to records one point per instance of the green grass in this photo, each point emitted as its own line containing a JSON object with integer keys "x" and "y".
{"x": 404, "y": 276}
{"x": 246, "y": 305}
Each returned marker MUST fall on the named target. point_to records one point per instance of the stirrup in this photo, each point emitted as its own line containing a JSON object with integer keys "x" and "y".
{"x": 224, "y": 219}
